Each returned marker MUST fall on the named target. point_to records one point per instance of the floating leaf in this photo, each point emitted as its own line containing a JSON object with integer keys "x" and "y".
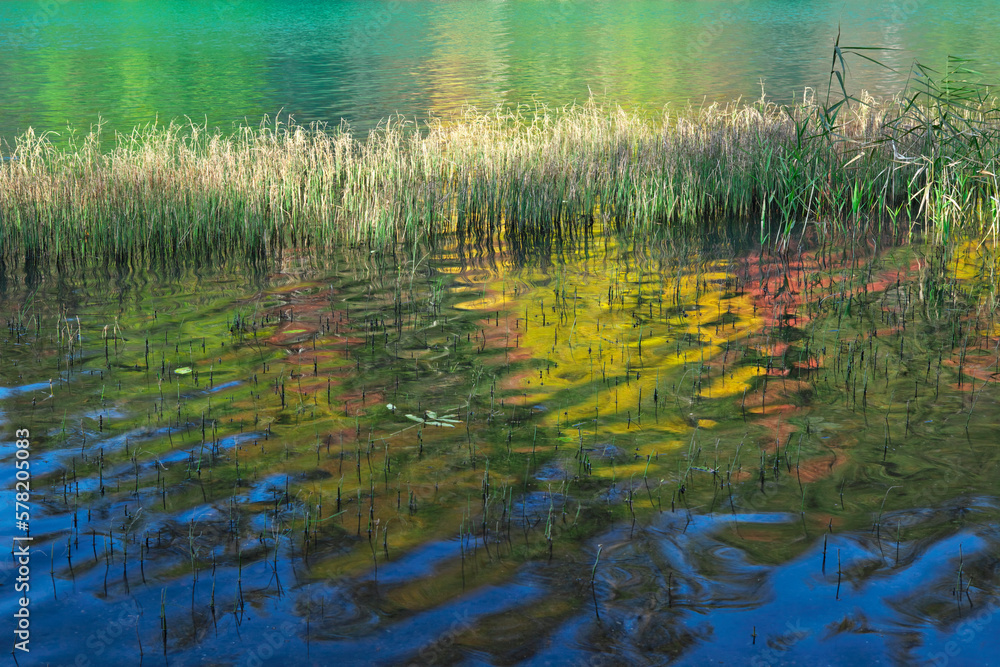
{"x": 183, "y": 371}
{"x": 431, "y": 419}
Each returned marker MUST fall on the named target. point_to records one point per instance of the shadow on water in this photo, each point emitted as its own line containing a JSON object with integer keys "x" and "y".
{"x": 586, "y": 450}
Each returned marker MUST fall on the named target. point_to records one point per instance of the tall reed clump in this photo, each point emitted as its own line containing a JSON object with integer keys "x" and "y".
{"x": 951, "y": 129}
{"x": 176, "y": 191}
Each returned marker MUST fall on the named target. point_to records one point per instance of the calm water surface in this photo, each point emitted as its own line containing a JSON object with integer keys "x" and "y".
{"x": 230, "y": 61}
{"x": 783, "y": 459}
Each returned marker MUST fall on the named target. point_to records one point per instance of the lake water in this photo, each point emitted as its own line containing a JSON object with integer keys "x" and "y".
{"x": 229, "y": 61}
{"x": 576, "y": 449}
{"x": 595, "y": 452}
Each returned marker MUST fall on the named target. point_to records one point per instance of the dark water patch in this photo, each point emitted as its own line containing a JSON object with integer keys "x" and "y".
{"x": 538, "y": 507}
{"x": 205, "y": 453}
{"x": 418, "y": 563}
{"x": 266, "y": 490}
{"x": 553, "y": 472}
{"x": 416, "y": 636}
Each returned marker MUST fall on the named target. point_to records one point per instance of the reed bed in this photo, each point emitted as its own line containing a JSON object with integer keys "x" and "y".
{"x": 183, "y": 190}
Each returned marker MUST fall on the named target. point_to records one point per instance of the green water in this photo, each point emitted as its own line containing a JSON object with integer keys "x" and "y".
{"x": 227, "y": 61}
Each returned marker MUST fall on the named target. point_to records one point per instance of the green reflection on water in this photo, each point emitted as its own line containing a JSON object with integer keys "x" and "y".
{"x": 232, "y": 61}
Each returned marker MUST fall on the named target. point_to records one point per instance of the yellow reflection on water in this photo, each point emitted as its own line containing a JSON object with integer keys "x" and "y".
{"x": 613, "y": 342}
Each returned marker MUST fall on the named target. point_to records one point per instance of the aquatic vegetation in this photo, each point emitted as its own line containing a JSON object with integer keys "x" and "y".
{"x": 925, "y": 163}
{"x": 477, "y": 448}
{"x": 535, "y": 423}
